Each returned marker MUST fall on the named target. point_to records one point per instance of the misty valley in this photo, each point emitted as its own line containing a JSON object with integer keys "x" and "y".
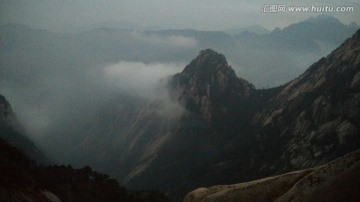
{"x": 109, "y": 114}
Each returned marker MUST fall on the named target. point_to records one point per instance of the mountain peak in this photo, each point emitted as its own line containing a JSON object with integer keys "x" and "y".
{"x": 210, "y": 52}
{"x": 204, "y": 80}
{"x": 207, "y": 60}
{"x": 5, "y": 108}
{"x": 209, "y": 68}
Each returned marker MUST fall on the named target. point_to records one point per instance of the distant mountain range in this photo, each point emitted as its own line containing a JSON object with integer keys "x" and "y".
{"x": 297, "y": 46}
{"x": 271, "y": 59}
{"x": 307, "y": 35}
{"x": 256, "y": 29}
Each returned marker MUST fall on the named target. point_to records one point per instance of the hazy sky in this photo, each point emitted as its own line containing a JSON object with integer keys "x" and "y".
{"x": 60, "y": 15}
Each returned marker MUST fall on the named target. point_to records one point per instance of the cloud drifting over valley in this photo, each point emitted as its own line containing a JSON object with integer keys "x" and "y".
{"x": 139, "y": 78}
{"x": 57, "y": 82}
{"x": 63, "y": 103}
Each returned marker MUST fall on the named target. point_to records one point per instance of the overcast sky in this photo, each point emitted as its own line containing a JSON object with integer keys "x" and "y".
{"x": 63, "y": 15}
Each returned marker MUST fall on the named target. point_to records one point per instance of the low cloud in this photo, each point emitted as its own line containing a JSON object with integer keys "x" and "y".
{"x": 138, "y": 78}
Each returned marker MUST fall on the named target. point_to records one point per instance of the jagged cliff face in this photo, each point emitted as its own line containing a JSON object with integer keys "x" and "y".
{"x": 158, "y": 143}
{"x": 226, "y": 131}
{"x": 210, "y": 87}
{"x": 316, "y": 116}
{"x": 214, "y": 103}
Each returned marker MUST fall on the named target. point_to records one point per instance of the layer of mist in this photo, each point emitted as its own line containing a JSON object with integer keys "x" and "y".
{"x": 57, "y": 83}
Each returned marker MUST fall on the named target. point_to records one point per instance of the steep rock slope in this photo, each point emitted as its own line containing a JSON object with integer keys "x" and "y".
{"x": 335, "y": 181}
{"x": 12, "y": 131}
{"x": 158, "y": 143}
{"x": 215, "y": 107}
{"x": 316, "y": 116}
{"x": 214, "y": 127}
{"x": 254, "y": 133}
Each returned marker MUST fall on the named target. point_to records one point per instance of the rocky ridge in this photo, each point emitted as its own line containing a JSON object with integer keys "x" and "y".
{"x": 317, "y": 114}
{"x": 309, "y": 121}
{"x": 302, "y": 124}
{"x": 219, "y": 129}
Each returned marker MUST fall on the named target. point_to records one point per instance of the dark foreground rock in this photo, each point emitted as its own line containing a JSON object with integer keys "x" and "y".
{"x": 24, "y": 180}
{"x": 337, "y": 180}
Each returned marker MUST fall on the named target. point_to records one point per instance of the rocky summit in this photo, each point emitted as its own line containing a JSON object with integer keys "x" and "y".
{"x": 209, "y": 86}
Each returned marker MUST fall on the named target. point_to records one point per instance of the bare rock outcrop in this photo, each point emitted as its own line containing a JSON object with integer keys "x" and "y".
{"x": 337, "y": 180}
